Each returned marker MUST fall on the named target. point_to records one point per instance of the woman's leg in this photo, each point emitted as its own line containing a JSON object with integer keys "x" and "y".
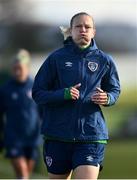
{"x": 30, "y": 165}
{"x": 20, "y": 167}
{"x": 86, "y": 172}
{"x": 87, "y": 159}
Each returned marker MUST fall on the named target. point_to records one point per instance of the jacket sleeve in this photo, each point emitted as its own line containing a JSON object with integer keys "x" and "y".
{"x": 43, "y": 91}
{"x": 110, "y": 82}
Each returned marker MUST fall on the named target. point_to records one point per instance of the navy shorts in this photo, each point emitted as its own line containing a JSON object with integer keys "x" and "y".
{"x": 61, "y": 157}
{"x": 29, "y": 152}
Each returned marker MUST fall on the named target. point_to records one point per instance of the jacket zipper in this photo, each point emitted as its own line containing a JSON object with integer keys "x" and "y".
{"x": 79, "y": 102}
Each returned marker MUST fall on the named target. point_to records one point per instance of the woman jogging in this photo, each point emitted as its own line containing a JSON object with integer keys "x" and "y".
{"x": 21, "y": 127}
{"x": 71, "y": 85}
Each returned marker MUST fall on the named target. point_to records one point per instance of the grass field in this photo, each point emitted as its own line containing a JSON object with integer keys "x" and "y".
{"x": 120, "y": 162}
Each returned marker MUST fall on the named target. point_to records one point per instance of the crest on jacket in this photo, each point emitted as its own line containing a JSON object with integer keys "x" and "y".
{"x": 92, "y": 66}
{"x": 49, "y": 160}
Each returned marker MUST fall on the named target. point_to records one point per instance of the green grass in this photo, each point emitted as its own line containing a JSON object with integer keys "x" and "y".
{"x": 120, "y": 162}
{"x": 6, "y": 171}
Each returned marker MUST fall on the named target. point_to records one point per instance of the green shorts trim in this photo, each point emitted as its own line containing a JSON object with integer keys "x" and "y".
{"x": 104, "y": 141}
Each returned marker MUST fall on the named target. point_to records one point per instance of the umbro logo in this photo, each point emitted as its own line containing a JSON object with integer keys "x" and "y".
{"x": 89, "y": 158}
{"x": 68, "y": 64}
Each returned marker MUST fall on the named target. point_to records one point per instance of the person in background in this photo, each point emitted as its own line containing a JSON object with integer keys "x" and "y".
{"x": 19, "y": 117}
{"x": 71, "y": 85}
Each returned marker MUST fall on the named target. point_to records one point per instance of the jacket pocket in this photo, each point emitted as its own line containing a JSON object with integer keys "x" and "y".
{"x": 91, "y": 114}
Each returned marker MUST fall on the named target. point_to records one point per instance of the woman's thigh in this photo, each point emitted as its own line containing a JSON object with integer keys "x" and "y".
{"x": 86, "y": 172}
{"x": 59, "y": 176}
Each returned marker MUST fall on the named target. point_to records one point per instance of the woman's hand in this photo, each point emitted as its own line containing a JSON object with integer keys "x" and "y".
{"x": 75, "y": 92}
{"x": 100, "y": 97}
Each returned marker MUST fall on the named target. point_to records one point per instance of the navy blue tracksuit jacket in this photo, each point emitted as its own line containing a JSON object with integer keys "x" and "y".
{"x": 79, "y": 120}
{"x": 22, "y": 123}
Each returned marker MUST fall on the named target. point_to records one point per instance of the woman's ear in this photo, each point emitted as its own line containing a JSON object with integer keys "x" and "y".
{"x": 94, "y": 31}
{"x": 65, "y": 31}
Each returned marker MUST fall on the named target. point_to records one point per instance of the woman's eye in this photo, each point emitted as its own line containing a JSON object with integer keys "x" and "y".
{"x": 78, "y": 26}
{"x": 87, "y": 27}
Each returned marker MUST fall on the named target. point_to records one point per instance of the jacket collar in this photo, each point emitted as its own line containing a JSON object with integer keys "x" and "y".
{"x": 69, "y": 43}
{"x": 20, "y": 83}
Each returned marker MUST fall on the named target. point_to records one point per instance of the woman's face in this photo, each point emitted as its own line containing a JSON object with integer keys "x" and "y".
{"x": 20, "y": 71}
{"x": 82, "y": 30}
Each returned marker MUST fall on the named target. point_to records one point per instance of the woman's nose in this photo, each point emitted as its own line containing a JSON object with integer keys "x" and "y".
{"x": 82, "y": 29}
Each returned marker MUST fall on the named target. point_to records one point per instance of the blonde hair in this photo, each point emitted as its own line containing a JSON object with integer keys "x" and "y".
{"x": 22, "y": 56}
{"x": 65, "y": 31}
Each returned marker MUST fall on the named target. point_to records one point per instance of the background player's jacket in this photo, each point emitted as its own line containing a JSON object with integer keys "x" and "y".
{"x": 22, "y": 123}
{"x": 69, "y": 119}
